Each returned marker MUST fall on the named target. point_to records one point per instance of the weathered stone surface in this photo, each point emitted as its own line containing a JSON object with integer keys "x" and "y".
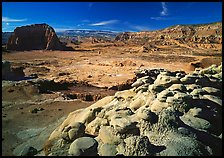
{"x": 125, "y": 94}
{"x": 198, "y": 91}
{"x": 218, "y": 76}
{"x": 195, "y": 112}
{"x": 84, "y": 146}
{"x": 166, "y": 81}
{"x": 108, "y": 135}
{"x": 164, "y": 94}
{"x": 169, "y": 118}
{"x": 155, "y": 88}
{"x": 184, "y": 146}
{"x": 94, "y": 126}
{"x": 77, "y": 130}
{"x": 137, "y": 103}
{"x": 33, "y": 37}
{"x": 122, "y": 125}
{"x": 172, "y": 99}
{"x": 116, "y": 112}
{"x": 181, "y": 95}
{"x": 142, "y": 88}
{"x": 136, "y": 146}
{"x": 213, "y": 98}
{"x": 89, "y": 115}
{"x": 147, "y": 114}
{"x": 195, "y": 122}
{"x": 212, "y": 91}
{"x": 188, "y": 79}
{"x": 213, "y": 69}
{"x": 158, "y": 106}
{"x": 178, "y": 87}
{"x": 191, "y": 87}
{"x": 107, "y": 150}
{"x": 28, "y": 151}
{"x": 186, "y": 132}
{"x": 137, "y": 83}
{"x": 167, "y": 121}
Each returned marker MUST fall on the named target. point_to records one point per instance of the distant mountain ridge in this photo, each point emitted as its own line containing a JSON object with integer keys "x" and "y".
{"x": 73, "y": 33}
{"x": 197, "y": 33}
{"x": 100, "y": 34}
{"x": 5, "y": 37}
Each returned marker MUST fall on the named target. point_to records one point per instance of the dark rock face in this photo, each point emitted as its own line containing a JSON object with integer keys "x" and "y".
{"x": 9, "y": 73}
{"x": 34, "y": 37}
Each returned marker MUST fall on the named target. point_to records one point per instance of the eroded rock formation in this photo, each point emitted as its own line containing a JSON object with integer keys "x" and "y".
{"x": 204, "y": 33}
{"x": 164, "y": 114}
{"x": 34, "y": 37}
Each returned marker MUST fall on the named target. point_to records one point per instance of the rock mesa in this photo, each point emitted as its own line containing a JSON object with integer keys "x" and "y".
{"x": 34, "y": 37}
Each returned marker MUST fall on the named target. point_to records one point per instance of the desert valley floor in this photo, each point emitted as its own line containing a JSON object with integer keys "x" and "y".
{"x": 104, "y": 67}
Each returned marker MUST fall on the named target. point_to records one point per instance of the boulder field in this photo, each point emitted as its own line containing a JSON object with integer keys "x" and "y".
{"x": 164, "y": 114}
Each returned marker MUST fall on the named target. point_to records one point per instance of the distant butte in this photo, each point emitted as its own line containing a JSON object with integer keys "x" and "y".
{"x": 34, "y": 37}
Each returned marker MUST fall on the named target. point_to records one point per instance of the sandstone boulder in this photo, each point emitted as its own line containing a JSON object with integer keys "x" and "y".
{"x": 135, "y": 146}
{"x": 176, "y": 115}
{"x": 184, "y": 146}
{"x": 107, "y": 150}
{"x": 84, "y": 146}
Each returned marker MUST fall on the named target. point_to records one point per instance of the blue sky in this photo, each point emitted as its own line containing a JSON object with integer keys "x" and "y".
{"x": 114, "y": 16}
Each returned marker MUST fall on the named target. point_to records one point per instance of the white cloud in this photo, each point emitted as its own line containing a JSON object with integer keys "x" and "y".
{"x": 6, "y": 19}
{"x": 104, "y": 23}
{"x": 7, "y": 24}
{"x": 164, "y": 12}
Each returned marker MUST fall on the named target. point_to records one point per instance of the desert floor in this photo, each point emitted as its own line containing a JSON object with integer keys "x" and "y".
{"x": 100, "y": 66}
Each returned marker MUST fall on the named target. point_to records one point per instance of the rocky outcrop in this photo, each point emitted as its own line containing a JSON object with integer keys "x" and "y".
{"x": 34, "y": 37}
{"x": 164, "y": 114}
{"x": 11, "y": 73}
{"x": 201, "y": 34}
{"x": 204, "y": 63}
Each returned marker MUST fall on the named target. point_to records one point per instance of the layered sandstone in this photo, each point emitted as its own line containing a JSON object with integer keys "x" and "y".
{"x": 34, "y": 37}
{"x": 201, "y": 34}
